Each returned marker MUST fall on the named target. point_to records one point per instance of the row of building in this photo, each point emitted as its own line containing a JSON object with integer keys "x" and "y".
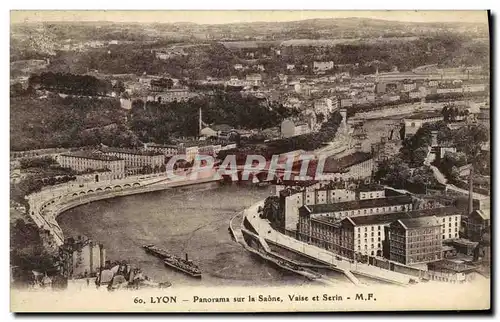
{"x": 119, "y": 162}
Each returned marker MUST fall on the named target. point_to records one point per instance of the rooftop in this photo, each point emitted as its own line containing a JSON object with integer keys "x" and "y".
{"x": 483, "y": 213}
{"x": 129, "y": 151}
{"x": 370, "y": 187}
{"x": 290, "y": 191}
{"x": 383, "y": 219}
{"x": 91, "y": 156}
{"x": 337, "y": 165}
{"x": 359, "y": 204}
{"x": 423, "y": 116}
{"x": 463, "y": 242}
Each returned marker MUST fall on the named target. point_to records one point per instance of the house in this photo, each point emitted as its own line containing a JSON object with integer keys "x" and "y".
{"x": 290, "y": 66}
{"x": 478, "y": 222}
{"x": 208, "y": 132}
{"x": 238, "y": 66}
{"x": 320, "y": 66}
{"x": 290, "y": 128}
{"x": 254, "y": 79}
{"x": 415, "y": 122}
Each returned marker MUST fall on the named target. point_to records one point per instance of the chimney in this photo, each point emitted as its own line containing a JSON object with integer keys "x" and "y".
{"x": 199, "y": 122}
{"x": 434, "y": 139}
{"x": 471, "y": 190}
{"x": 187, "y": 257}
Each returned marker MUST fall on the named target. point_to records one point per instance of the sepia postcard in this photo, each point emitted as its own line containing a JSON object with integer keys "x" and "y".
{"x": 250, "y": 161}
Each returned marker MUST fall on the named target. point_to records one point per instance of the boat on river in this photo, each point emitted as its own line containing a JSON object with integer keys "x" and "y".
{"x": 184, "y": 265}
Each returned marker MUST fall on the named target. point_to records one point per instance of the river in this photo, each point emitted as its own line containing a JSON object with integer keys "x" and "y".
{"x": 186, "y": 220}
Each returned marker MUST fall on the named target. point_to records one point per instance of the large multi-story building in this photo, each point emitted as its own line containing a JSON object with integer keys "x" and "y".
{"x": 326, "y": 106}
{"x": 415, "y": 240}
{"x": 358, "y": 165}
{"x": 365, "y": 207}
{"x": 168, "y": 150}
{"x": 294, "y": 196}
{"x": 137, "y": 158}
{"x": 367, "y": 235}
{"x": 83, "y": 161}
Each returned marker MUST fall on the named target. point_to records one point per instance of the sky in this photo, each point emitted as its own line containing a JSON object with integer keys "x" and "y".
{"x": 224, "y": 17}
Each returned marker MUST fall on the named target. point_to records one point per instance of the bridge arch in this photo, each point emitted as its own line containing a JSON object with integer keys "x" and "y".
{"x": 98, "y": 189}
{"x": 118, "y": 187}
{"x": 90, "y": 191}
{"x": 107, "y": 188}
{"x": 136, "y": 184}
{"x": 82, "y": 193}
{"x": 75, "y": 194}
{"x": 126, "y": 185}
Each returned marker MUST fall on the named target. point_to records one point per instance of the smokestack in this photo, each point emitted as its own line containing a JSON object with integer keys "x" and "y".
{"x": 187, "y": 257}
{"x": 471, "y": 190}
{"x": 199, "y": 122}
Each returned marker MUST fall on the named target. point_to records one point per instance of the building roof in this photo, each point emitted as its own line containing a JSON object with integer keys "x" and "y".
{"x": 419, "y": 222}
{"x": 290, "y": 191}
{"x": 483, "y": 213}
{"x": 130, "y": 151}
{"x": 370, "y": 187}
{"x": 297, "y": 183}
{"x": 463, "y": 242}
{"x": 337, "y": 165}
{"x": 451, "y": 266}
{"x": 360, "y": 204}
{"x": 221, "y": 127}
{"x": 423, "y": 116}
{"x": 92, "y": 156}
{"x": 383, "y": 219}
{"x": 157, "y": 145}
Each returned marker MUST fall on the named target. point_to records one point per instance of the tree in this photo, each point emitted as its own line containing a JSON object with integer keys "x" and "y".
{"x": 393, "y": 172}
{"x": 469, "y": 139}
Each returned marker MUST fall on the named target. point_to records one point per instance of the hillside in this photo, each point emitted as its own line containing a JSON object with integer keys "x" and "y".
{"x": 65, "y": 122}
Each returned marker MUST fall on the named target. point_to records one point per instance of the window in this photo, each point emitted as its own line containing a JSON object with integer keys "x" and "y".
{"x": 379, "y": 233}
{"x": 449, "y": 236}
{"x": 379, "y": 227}
{"x": 366, "y": 229}
{"x": 373, "y": 228}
